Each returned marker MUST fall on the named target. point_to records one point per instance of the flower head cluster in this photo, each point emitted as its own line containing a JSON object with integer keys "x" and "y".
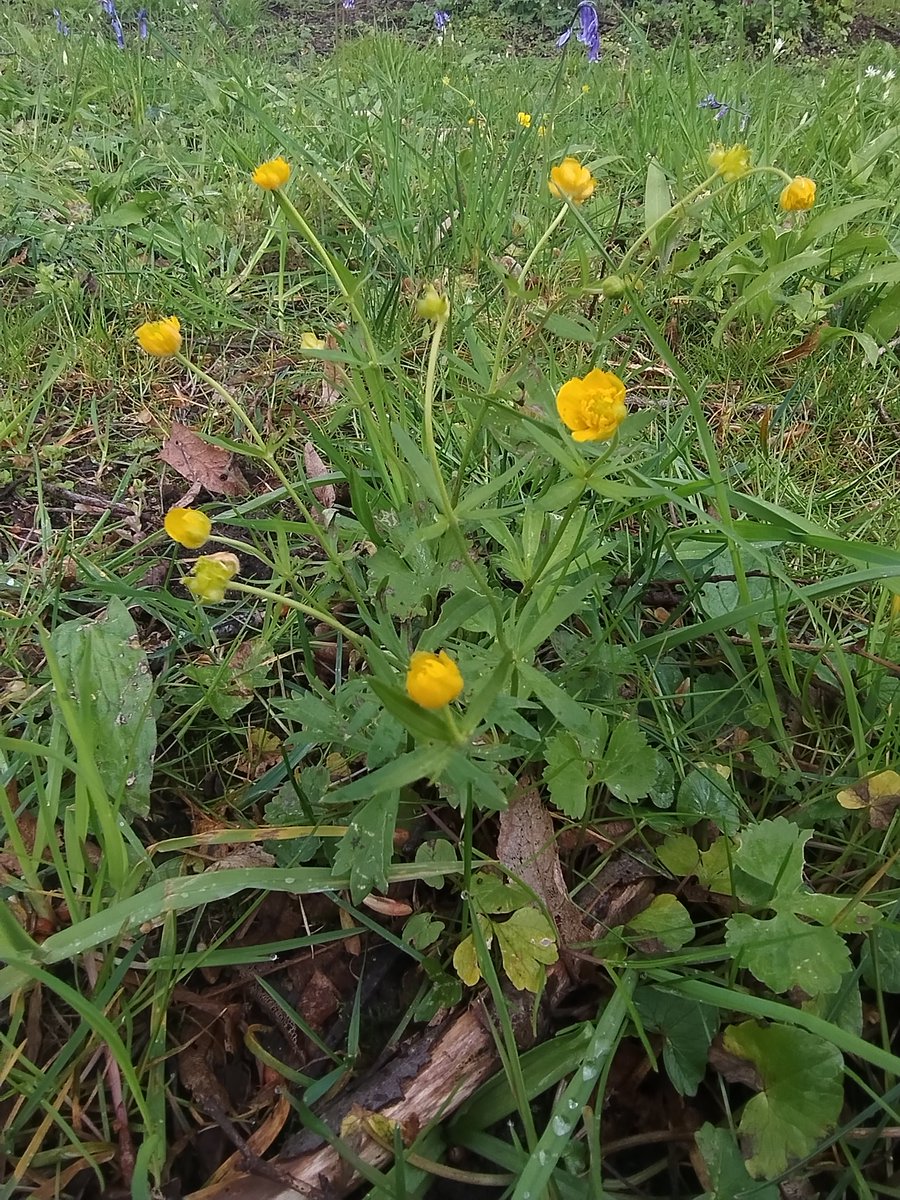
{"x": 62, "y": 26}
{"x": 143, "y": 26}
{"x": 188, "y": 526}
{"x": 731, "y": 162}
{"x": 433, "y": 680}
{"x": 160, "y": 338}
{"x": 722, "y": 108}
{"x": 211, "y": 576}
{"x": 588, "y": 32}
{"x": 798, "y": 195}
{"x": 593, "y": 408}
{"x": 272, "y": 174}
{"x": 524, "y": 119}
{"x": 571, "y": 181}
{"x": 441, "y": 20}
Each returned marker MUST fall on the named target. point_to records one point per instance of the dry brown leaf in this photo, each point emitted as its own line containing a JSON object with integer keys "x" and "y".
{"x": 526, "y": 845}
{"x": 317, "y": 468}
{"x": 332, "y": 376}
{"x": 197, "y": 461}
{"x": 258, "y": 1142}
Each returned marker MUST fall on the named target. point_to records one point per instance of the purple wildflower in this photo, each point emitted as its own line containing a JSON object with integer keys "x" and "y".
{"x": 441, "y": 20}
{"x": 143, "y": 28}
{"x": 61, "y": 26}
{"x": 118, "y": 31}
{"x": 588, "y": 32}
{"x": 722, "y": 108}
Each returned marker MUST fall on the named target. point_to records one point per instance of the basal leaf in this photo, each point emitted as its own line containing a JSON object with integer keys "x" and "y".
{"x": 665, "y": 919}
{"x": 527, "y": 943}
{"x": 785, "y": 952}
{"x": 727, "y": 1172}
{"x": 566, "y": 775}
{"x": 687, "y": 1028}
{"x": 707, "y": 792}
{"x": 364, "y": 852}
{"x": 769, "y": 860}
{"x": 106, "y": 673}
{"x": 801, "y": 1097}
{"x": 628, "y": 767}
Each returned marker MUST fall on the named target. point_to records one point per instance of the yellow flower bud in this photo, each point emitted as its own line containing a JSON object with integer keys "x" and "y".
{"x": 433, "y": 680}
{"x": 798, "y": 195}
{"x": 732, "y": 162}
{"x": 211, "y": 576}
{"x": 593, "y": 408}
{"x": 570, "y": 180}
{"x": 188, "y": 526}
{"x": 432, "y": 306}
{"x": 524, "y": 119}
{"x": 160, "y": 338}
{"x": 272, "y": 174}
{"x": 309, "y": 341}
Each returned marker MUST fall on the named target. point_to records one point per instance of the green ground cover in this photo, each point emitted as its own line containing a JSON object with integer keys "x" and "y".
{"x": 652, "y": 840}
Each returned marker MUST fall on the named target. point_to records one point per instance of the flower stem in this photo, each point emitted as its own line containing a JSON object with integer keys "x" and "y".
{"x": 272, "y": 463}
{"x": 359, "y": 640}
{"x": 302, "y": 225}
{"x": 447, "y": 505}
{"x": 478, "y": 423}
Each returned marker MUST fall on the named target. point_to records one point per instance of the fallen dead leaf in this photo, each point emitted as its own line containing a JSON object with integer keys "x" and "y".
{"x": 386, "y": 906}
{"x": 526, "y": 844}
{"x": 201, "y": 463}
{"x": 317, "y": 468}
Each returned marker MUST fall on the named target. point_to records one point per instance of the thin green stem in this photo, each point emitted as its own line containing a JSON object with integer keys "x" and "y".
{"x": 248, "y": 589}
{"x": 478, "y": 423}
{"x": 302, "y": 225}
{"x": 447, "y": 506}
{"x": 272, "y": 463}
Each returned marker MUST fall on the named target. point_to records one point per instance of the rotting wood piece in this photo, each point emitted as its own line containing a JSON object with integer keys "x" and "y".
{"x": 426, "y": 1085}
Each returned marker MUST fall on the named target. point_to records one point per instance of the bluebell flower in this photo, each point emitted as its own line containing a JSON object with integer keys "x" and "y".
{"x": 721, "y": 109}
{"x": 118, "y": 31}
{"x": 441, "y": 20}
{"x": 61, "y": 26}
{"x": 588, "y": 32}
{"x": 143, "y": 28}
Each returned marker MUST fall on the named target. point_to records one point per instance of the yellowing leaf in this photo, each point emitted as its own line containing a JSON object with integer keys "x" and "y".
{"x": 527, "y": 942}
{"x": 465, "y": 962}
{"x": 880, "y": 794}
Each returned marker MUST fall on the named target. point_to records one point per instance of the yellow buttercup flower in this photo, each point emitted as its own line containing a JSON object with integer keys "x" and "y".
{"x": 211, "y": 576}
{"x": 432, "y": 306}
{"x": 433, "y": 680}
{"x": 798, "y": 195}
{"x": 188, "y": 526}
{"x": 160, "y": 338}
{"x": 272, "y": 174}
{"x": 593, "y": 408}
{"x": 309, "y": 341}
{"x": 572, "y": 181}
{"x": 524, "y": 119}
{"x": 731, "y": 162}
